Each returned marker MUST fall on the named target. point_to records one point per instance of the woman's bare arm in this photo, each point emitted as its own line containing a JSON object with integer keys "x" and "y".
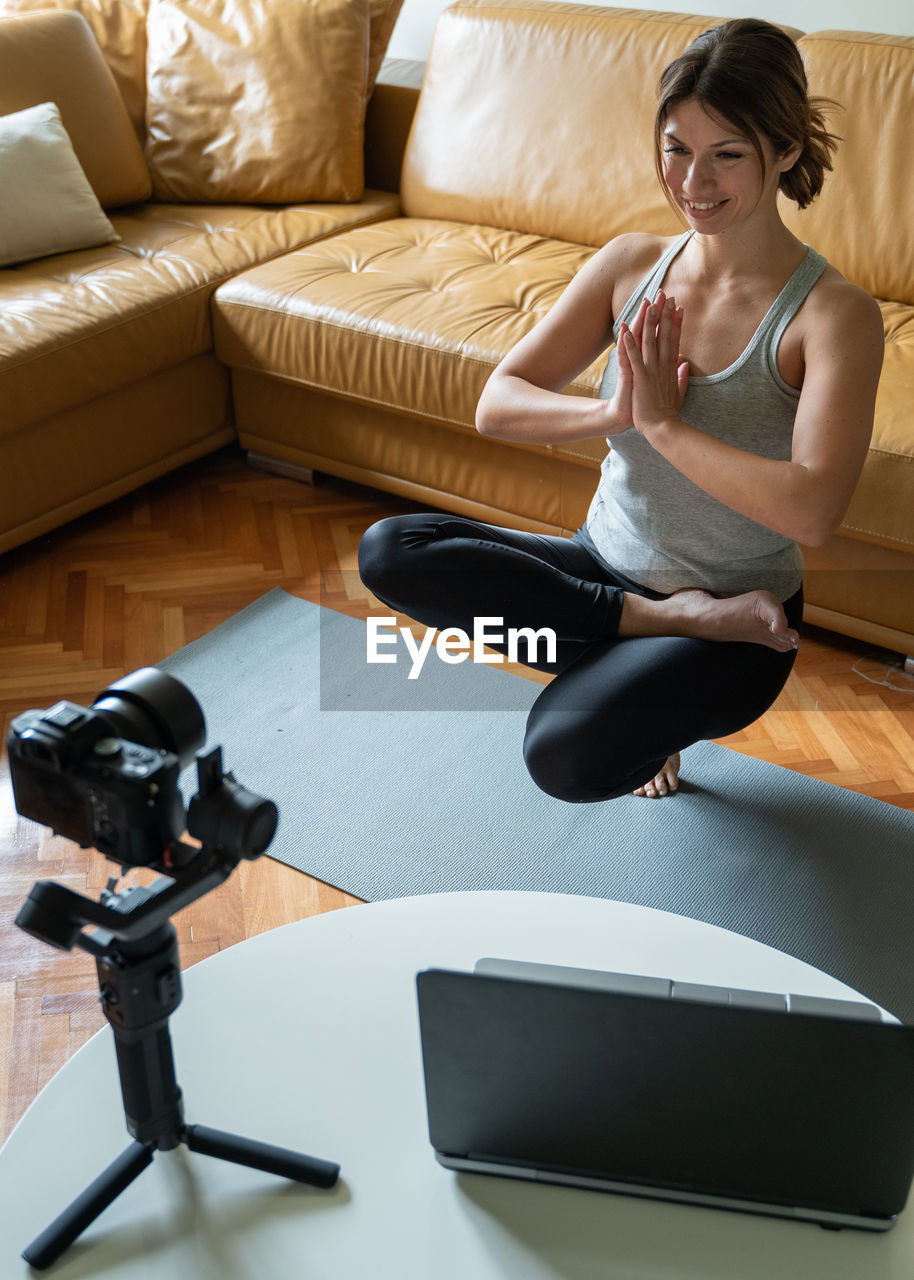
{"x": 523, "y": 399}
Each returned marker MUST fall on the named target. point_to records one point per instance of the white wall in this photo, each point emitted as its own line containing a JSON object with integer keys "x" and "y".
{"x": 413, "y": 32}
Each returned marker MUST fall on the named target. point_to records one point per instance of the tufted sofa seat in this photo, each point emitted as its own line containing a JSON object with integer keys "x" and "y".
{"x": 407, "y": 317}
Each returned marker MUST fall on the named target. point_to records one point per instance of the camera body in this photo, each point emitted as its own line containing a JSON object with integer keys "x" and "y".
{"x": 107, "y": 775}
{"x": 72, "y": 773}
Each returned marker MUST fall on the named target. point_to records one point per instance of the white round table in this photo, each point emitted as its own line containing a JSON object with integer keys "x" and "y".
{"x": 307, "y": 1037}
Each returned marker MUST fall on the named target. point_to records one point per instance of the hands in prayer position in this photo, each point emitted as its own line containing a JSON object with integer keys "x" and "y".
{"x": 653, "y": 376}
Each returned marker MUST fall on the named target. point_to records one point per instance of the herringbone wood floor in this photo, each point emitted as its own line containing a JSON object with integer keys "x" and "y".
{"x": 127, "y": 585}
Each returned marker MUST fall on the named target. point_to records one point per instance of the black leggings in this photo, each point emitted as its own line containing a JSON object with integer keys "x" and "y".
{"x": 617, "y": 707}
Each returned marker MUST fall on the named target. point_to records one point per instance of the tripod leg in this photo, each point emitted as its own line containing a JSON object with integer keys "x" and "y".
{"x": 259, "y": 1155}
{"x": 47, "y": 1247}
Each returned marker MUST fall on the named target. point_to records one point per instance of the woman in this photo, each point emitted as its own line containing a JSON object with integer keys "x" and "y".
{"x": 738, "y": 405}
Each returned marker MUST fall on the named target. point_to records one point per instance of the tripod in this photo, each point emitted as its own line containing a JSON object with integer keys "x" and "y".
{"x": 136, "y": 950}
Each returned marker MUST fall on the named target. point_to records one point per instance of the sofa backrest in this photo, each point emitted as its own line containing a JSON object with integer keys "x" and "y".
{"x": 539, "y": 117}
{"x": 864, "y": 219}
{"x": 54, "y": 57}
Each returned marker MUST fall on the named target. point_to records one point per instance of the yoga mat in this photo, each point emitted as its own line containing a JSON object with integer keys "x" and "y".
{"x": 417, "y": 788}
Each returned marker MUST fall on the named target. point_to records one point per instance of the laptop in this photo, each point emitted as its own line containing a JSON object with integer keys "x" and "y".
{"x": 783, "y": 1105}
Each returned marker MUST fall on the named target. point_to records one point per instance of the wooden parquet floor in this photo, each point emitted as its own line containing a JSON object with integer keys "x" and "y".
{"x": 123, "y": 587}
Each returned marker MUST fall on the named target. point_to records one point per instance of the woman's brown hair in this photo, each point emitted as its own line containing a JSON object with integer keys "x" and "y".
{"x": 750, "y": 73}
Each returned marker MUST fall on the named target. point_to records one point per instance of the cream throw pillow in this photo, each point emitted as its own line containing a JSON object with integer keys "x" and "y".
{"x": 259, "y": 101}
{"x": 47, "y": 205}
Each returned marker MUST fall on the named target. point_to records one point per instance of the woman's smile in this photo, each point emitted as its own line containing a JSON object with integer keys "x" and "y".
{"x": 701, "y": 210}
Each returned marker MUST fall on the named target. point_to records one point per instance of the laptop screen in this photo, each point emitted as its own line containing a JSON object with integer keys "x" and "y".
{"x": 697, "y": 1097}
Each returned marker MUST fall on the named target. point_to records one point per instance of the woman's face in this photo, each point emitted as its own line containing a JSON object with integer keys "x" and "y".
{"x": 712, "y": 171}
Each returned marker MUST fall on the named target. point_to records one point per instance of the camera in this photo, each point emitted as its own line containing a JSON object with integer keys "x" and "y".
{"x": 106, "y": 776}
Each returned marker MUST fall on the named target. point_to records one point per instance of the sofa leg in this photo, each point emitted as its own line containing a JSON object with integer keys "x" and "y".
{"x": 262, "y": 462}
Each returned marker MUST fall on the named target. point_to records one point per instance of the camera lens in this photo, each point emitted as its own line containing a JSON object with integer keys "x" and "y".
{"x": 151, "y": 707}
{"x": 233, "y": 818}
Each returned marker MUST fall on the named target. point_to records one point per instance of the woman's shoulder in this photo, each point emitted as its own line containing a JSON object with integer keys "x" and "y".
{"x": 837, "y": 305}
{"x": 636, "y": 250}
{"x": 625, "y": 260}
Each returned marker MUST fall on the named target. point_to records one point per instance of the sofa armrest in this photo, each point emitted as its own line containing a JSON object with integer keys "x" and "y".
{"x": 388, "y": 120}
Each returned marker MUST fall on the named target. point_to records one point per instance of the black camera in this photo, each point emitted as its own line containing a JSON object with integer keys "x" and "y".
{"x": 106, "y": 776}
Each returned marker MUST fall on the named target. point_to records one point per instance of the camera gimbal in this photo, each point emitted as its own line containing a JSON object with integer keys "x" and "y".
{"x": 136, "y": 953}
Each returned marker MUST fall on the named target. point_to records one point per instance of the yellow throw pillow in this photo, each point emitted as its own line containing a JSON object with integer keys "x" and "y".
{"x": 47, "y": 205}
{"x": 256, "y": 101}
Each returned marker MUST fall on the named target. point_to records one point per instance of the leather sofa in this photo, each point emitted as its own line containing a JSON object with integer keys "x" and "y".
{"x": 359, "y": 341}
{"x": 108, "y": 377}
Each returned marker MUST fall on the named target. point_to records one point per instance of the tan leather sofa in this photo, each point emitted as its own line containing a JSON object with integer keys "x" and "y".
{"x": 361, "y": 350}
{"x": 108, "y": 376}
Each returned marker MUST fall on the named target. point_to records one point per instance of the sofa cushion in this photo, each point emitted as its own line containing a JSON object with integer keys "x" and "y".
{"x": 863, "y": 220}
{"x": 409, "y": 313}
{"x": 412, "y": 315}
{"x": 81, "y": 325}
{"x": 119, "y": 26}
{"x": 548, "y": 127}
{"x": 54, "y": 57}
{"x": 48, "y": 205}
{"x": 260, "y": 100}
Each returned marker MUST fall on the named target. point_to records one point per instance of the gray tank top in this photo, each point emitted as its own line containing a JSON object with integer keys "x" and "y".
{"x": 658, "y": 528}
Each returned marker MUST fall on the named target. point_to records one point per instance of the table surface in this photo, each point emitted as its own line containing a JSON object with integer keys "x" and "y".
{"x": 307, "y": 1037}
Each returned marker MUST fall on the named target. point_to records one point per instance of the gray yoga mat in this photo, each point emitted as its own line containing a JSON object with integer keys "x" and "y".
{"x": 389, "y": 787}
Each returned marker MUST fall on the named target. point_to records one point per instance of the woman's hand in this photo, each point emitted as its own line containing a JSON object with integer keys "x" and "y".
{"x": 619, "y": 405}
{"x": 650, "y": 366}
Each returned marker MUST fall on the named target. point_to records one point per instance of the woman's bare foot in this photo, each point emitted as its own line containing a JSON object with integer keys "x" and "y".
{"x": 757, "y": 617}
{"x": 664, "y": 783}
